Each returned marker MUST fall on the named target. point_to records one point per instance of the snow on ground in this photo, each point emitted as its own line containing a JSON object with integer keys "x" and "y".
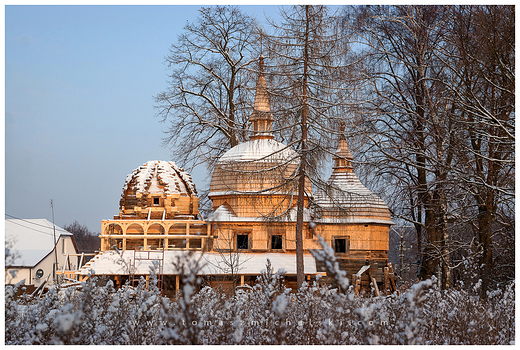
{"x": 267, "y": 313}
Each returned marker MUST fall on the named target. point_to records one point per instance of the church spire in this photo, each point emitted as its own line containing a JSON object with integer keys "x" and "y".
{"x": 342, "y": 157}
{"x": 261, "y": 118}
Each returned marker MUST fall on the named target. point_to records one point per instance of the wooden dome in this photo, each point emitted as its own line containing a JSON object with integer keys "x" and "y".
{"x": 256, "y": 178}
{"x": 158, "y": 190}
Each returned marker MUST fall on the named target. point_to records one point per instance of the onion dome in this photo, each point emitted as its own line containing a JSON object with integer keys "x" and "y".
{"x": 158, "y": 190}
{"x": 260, "y": 167}
{"x": 344, "y": 199}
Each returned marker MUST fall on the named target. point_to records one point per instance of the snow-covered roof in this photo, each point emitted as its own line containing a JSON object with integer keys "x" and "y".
{"x": 346, "y": 193}
{"x": 147, "y": 178}
{"x": 31, "y": 239}
{"x": 119, "y": 263}
{"x": 349, "y": 184}
{"x": 265, "y": 150}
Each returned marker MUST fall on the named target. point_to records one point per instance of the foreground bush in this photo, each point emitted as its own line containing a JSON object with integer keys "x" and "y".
{"x": 267, "y": 313}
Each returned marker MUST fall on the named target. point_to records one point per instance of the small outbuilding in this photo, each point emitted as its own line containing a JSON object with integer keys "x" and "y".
{"x": 37, "y": 251}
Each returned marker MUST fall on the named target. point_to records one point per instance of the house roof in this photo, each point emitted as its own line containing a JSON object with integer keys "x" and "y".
{"x": 120, "y": 263}
{"x": 31, "y": 239}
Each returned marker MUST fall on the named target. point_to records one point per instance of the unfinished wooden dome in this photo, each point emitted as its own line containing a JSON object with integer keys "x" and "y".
{"x": 159, "y": 190}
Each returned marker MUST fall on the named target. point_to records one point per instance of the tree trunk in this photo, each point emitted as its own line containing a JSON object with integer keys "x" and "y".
{"x": 445, "y": 246}
{"x": 300, "y": 274}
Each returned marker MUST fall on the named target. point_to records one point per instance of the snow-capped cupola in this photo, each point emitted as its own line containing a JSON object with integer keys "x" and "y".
{"x": 158, "y": 189}
{"x": 344, "y": 198}
{"x": 255, "y": 178}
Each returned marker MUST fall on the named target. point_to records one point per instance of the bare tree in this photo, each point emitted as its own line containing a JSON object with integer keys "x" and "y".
{"x": 438, "y": 116}
{"x": 482, "y": 62}
{"x": 87, "y": 241}
{"x": 407, "y": 120}
{"x": 208, "y": 98}
{"x": 11, "y": 255}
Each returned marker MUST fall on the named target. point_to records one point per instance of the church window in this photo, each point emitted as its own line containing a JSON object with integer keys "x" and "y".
{"x": 276, "y": 242}
{"x": 341, "y": 244}
{"x": 242, "y": 241}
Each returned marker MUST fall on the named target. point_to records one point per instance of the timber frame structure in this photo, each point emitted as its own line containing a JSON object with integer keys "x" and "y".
{"x": 254, "y": 218}
{"x": 155, "y": 234}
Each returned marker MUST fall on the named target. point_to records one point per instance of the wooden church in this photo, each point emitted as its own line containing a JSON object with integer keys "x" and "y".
{"x": 254, "y": 196}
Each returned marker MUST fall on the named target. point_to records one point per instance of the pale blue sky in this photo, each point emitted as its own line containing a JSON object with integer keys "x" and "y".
{"x": 79, "y": 116}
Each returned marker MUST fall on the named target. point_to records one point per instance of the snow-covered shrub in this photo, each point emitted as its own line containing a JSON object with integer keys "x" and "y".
{"x": 266, "y": 313}
{"x": 181, "y": 317}
{"x": 327, "y": 257}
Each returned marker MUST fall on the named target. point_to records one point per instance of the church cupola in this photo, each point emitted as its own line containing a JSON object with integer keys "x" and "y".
{"x": 261, "y": 118}
{"x": 342, "y": 158}
{"x": 344, "y": 199}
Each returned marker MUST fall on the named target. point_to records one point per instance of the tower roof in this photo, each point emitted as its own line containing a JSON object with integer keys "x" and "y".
{"x": 344, "y": 198}
{"x": 260, "y": 150}
{"x": 253, "y": 167}
{"x": 261, "y": 118}
{"x": 256, "y": 168}
{"x": 342, "y": 158}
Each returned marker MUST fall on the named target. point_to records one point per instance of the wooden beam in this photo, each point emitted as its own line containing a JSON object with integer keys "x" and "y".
{"x": 387, "y": 282}
{"x": 391, "y": 276}
{"x": 81, "y": 260}
{"x": 376, "y": 289}
{"x": 357, "y": 283}
{"x": 65, "y": 263}
{"x": 139, "y": 236}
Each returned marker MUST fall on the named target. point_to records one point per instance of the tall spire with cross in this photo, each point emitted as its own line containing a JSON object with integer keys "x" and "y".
{"x": 261, "y": 118}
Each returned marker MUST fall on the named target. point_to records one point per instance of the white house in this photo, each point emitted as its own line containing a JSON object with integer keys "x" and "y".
{"x": 31, "y": 253}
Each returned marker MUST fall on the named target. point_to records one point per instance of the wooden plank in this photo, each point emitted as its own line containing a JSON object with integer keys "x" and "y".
{"x": 392, "y": 281}
{"x": 391, "y": 276}
{"x": 357, "y": 283}
{"x": 362, "y": 270}
{"x": 376, "y": 289}
{"x": 387, "y": 282}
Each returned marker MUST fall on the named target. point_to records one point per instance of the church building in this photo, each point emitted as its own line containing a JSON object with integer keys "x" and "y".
{"x": 253, "y": 190}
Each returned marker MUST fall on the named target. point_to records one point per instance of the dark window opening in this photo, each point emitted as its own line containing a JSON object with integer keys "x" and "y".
{"x": 276, "y": 242}
{"x": 195, "y": 243}
{"x": 156, "y": 201}
{"x": 242, "y": 242}
{"x": 340, "y": 245}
